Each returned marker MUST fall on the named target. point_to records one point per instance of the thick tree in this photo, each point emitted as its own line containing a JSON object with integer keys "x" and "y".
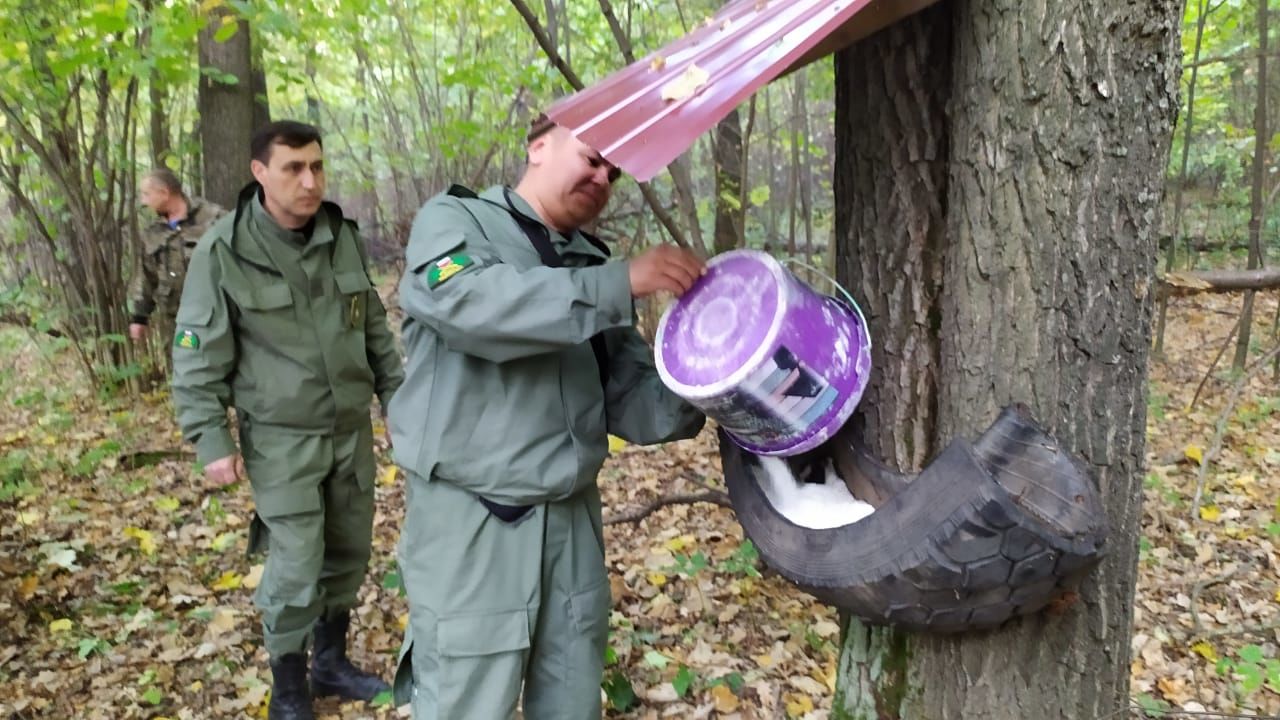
{"x": 231, "y": 103}
{"x": 998, "y": 177}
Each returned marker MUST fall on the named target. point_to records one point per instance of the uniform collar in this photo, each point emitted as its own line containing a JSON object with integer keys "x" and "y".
{"x": 266, "y": 227}
{"x": 571, "y": 242}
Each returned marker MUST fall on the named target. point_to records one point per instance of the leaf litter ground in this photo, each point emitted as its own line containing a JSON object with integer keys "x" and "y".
{"x": 125, "y": 591}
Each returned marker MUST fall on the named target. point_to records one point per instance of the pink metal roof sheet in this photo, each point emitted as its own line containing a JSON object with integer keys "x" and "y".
{"x": 643, "y": 116}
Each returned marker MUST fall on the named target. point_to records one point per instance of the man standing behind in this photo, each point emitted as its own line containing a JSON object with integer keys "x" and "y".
{"x": 167, "y": 245}
{"x": 280, "y": 320}
{"x": 521, "y": 358}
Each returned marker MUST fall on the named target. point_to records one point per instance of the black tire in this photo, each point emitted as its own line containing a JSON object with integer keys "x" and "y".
{"x": 985, "y": 532}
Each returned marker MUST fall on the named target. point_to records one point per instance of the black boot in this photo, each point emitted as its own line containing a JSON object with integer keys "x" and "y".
{"x": 290, "y": 699}
{"x": 331, "y": 672}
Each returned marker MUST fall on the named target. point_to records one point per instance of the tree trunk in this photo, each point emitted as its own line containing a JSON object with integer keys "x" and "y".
{"x": 1261, "y": 135}
{"x": 1187, "y": 123}
{"x": 727, "y": 152}
{"x": 226, "y": 109}
{"x": 1004, "y": 248}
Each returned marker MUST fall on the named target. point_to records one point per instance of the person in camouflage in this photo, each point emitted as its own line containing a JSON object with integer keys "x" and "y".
{"x": 279, "y": 319}
{"x": 167, "y": 244}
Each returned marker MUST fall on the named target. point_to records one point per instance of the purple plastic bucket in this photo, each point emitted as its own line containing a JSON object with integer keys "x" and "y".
{"x": 779, "y": 366}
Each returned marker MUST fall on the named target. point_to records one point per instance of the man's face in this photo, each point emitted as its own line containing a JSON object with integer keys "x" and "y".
{"x": 292, "y": 182}
{"x": 155, "y": 196}
{"x": 574, "y": 182}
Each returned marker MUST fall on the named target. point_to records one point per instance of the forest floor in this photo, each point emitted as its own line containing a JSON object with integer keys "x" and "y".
{"x": 125, "y": 591}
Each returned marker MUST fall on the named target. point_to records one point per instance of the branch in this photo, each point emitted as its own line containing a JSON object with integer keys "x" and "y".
{"x": 1227, "y": 413}
{"x": 1218, "y": 281}
{"x": 23, "y": 320}
{"x": 714, "y": 497}
{"x": 553, "y": 55}
{"x": 544, "y": 40}
{"x": 1201, "y": 587}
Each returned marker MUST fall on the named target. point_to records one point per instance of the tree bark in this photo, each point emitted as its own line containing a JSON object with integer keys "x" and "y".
{"x": 1261, "y": 136}
{"x": 1005, "y": 250}
{"x": 227, "y": 110}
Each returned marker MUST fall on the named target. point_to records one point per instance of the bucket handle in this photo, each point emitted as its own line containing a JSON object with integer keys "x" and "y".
{"x": 866, "y": 331}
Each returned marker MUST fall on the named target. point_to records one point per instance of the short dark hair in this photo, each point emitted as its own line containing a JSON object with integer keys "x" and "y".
{"x": 291, "y": 133}
{"x": 539, "y": 126}
{"x": 165, "y": 178}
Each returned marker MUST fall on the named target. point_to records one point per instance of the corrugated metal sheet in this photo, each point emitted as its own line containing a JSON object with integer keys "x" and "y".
{"x": 643, "y": 116}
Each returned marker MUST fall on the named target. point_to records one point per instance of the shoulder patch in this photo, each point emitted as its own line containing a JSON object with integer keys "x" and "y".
{"x": 187, "y": 340}
{"x": 446, "y": 267}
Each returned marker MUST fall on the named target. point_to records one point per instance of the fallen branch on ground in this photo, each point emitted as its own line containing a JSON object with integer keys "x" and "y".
{"x": 714, "y": 497}
{"x": 1179, "y": 284}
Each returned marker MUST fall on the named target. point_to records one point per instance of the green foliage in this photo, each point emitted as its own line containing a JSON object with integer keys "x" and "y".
{"x": 1252, "y": 670}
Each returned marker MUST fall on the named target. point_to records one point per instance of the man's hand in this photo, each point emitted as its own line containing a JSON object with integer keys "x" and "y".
{"x": 137, "y": 332}
{"x": 224, "y": 471}
{"x": 665, "y": 267}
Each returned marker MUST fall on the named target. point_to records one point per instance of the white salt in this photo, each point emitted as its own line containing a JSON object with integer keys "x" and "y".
{"x": 818, "y": 506}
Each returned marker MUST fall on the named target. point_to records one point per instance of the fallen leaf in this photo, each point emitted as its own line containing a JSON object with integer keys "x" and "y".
{"x": 616, "y": 443}
{"x": 798, "y": 705}
{"x": 764, "y": 661}
{"x": 254, "y": 578}
{"x": 726, "y": 702}
{"x": 656, "y": 579}
{"x": 229, "y": 580}
{"x": 1210, "y": 513}
{"x": 685, "y": 84}
{"x": 388, "y": 476}
{"x": 27, "y": 586}
{"x": 1206, "y": 651}
{"x": 60, "y": 625}
{"x": 658, "y": 63}
{"x": 1194, "y": 454}
{"x": 146, "y": 542}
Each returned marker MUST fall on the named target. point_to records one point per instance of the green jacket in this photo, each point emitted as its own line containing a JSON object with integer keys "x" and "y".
{"x": 289, "y": 331}
{"x": 503, "y": 395}
{"x": 166, "y": 250}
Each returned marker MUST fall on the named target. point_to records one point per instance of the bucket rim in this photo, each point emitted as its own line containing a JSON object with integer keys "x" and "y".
{"x": 738, "y": 375}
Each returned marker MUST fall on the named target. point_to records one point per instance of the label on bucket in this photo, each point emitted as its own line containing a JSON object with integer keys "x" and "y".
{"x": 782, "y": 397}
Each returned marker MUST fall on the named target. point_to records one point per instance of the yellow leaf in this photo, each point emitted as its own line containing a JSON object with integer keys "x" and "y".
{"x": 388, "y": 476}
{"x": 764, "y": 661}
{"x": 167, "y": 504}
{"x": 254, "y": 578}
{"x": 145, "y": 540}
{"x": 62, "y": 625}
{"x": 403, "y": 621}
{"x": 676, "y": 544}
{"x": 1210, "y": 513}
{"x": 657, "y": 579}
{"x": 1194, "y": 454}
{"x": 616, "y": 443}
{"x": 726, "y": 702}
{"x": 1278, "y": 596}
{"x": 798, "y": 705}
{"x": 27, "y": 586}
{"x": 229, "y": 580}
{"x": 1206, "y": 651}
{"x": 686, "y": 83}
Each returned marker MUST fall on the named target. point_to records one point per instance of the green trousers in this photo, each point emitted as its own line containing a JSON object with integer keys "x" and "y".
{"x": 313, "y": 495}
{"x": 494, "y": 605}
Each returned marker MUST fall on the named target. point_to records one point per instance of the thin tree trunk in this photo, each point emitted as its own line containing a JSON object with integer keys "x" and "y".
{"x": 1188, "y": 122}
{"x": 806, "y": 159}
{"x": 1261, "y": 136}
{"x": 727, "y": 154}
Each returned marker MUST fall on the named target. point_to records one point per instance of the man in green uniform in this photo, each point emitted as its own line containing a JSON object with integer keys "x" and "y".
{"x": 280, "y": 320}
{"x": 167, "y": 245}
{"x": 521, "y": 358}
